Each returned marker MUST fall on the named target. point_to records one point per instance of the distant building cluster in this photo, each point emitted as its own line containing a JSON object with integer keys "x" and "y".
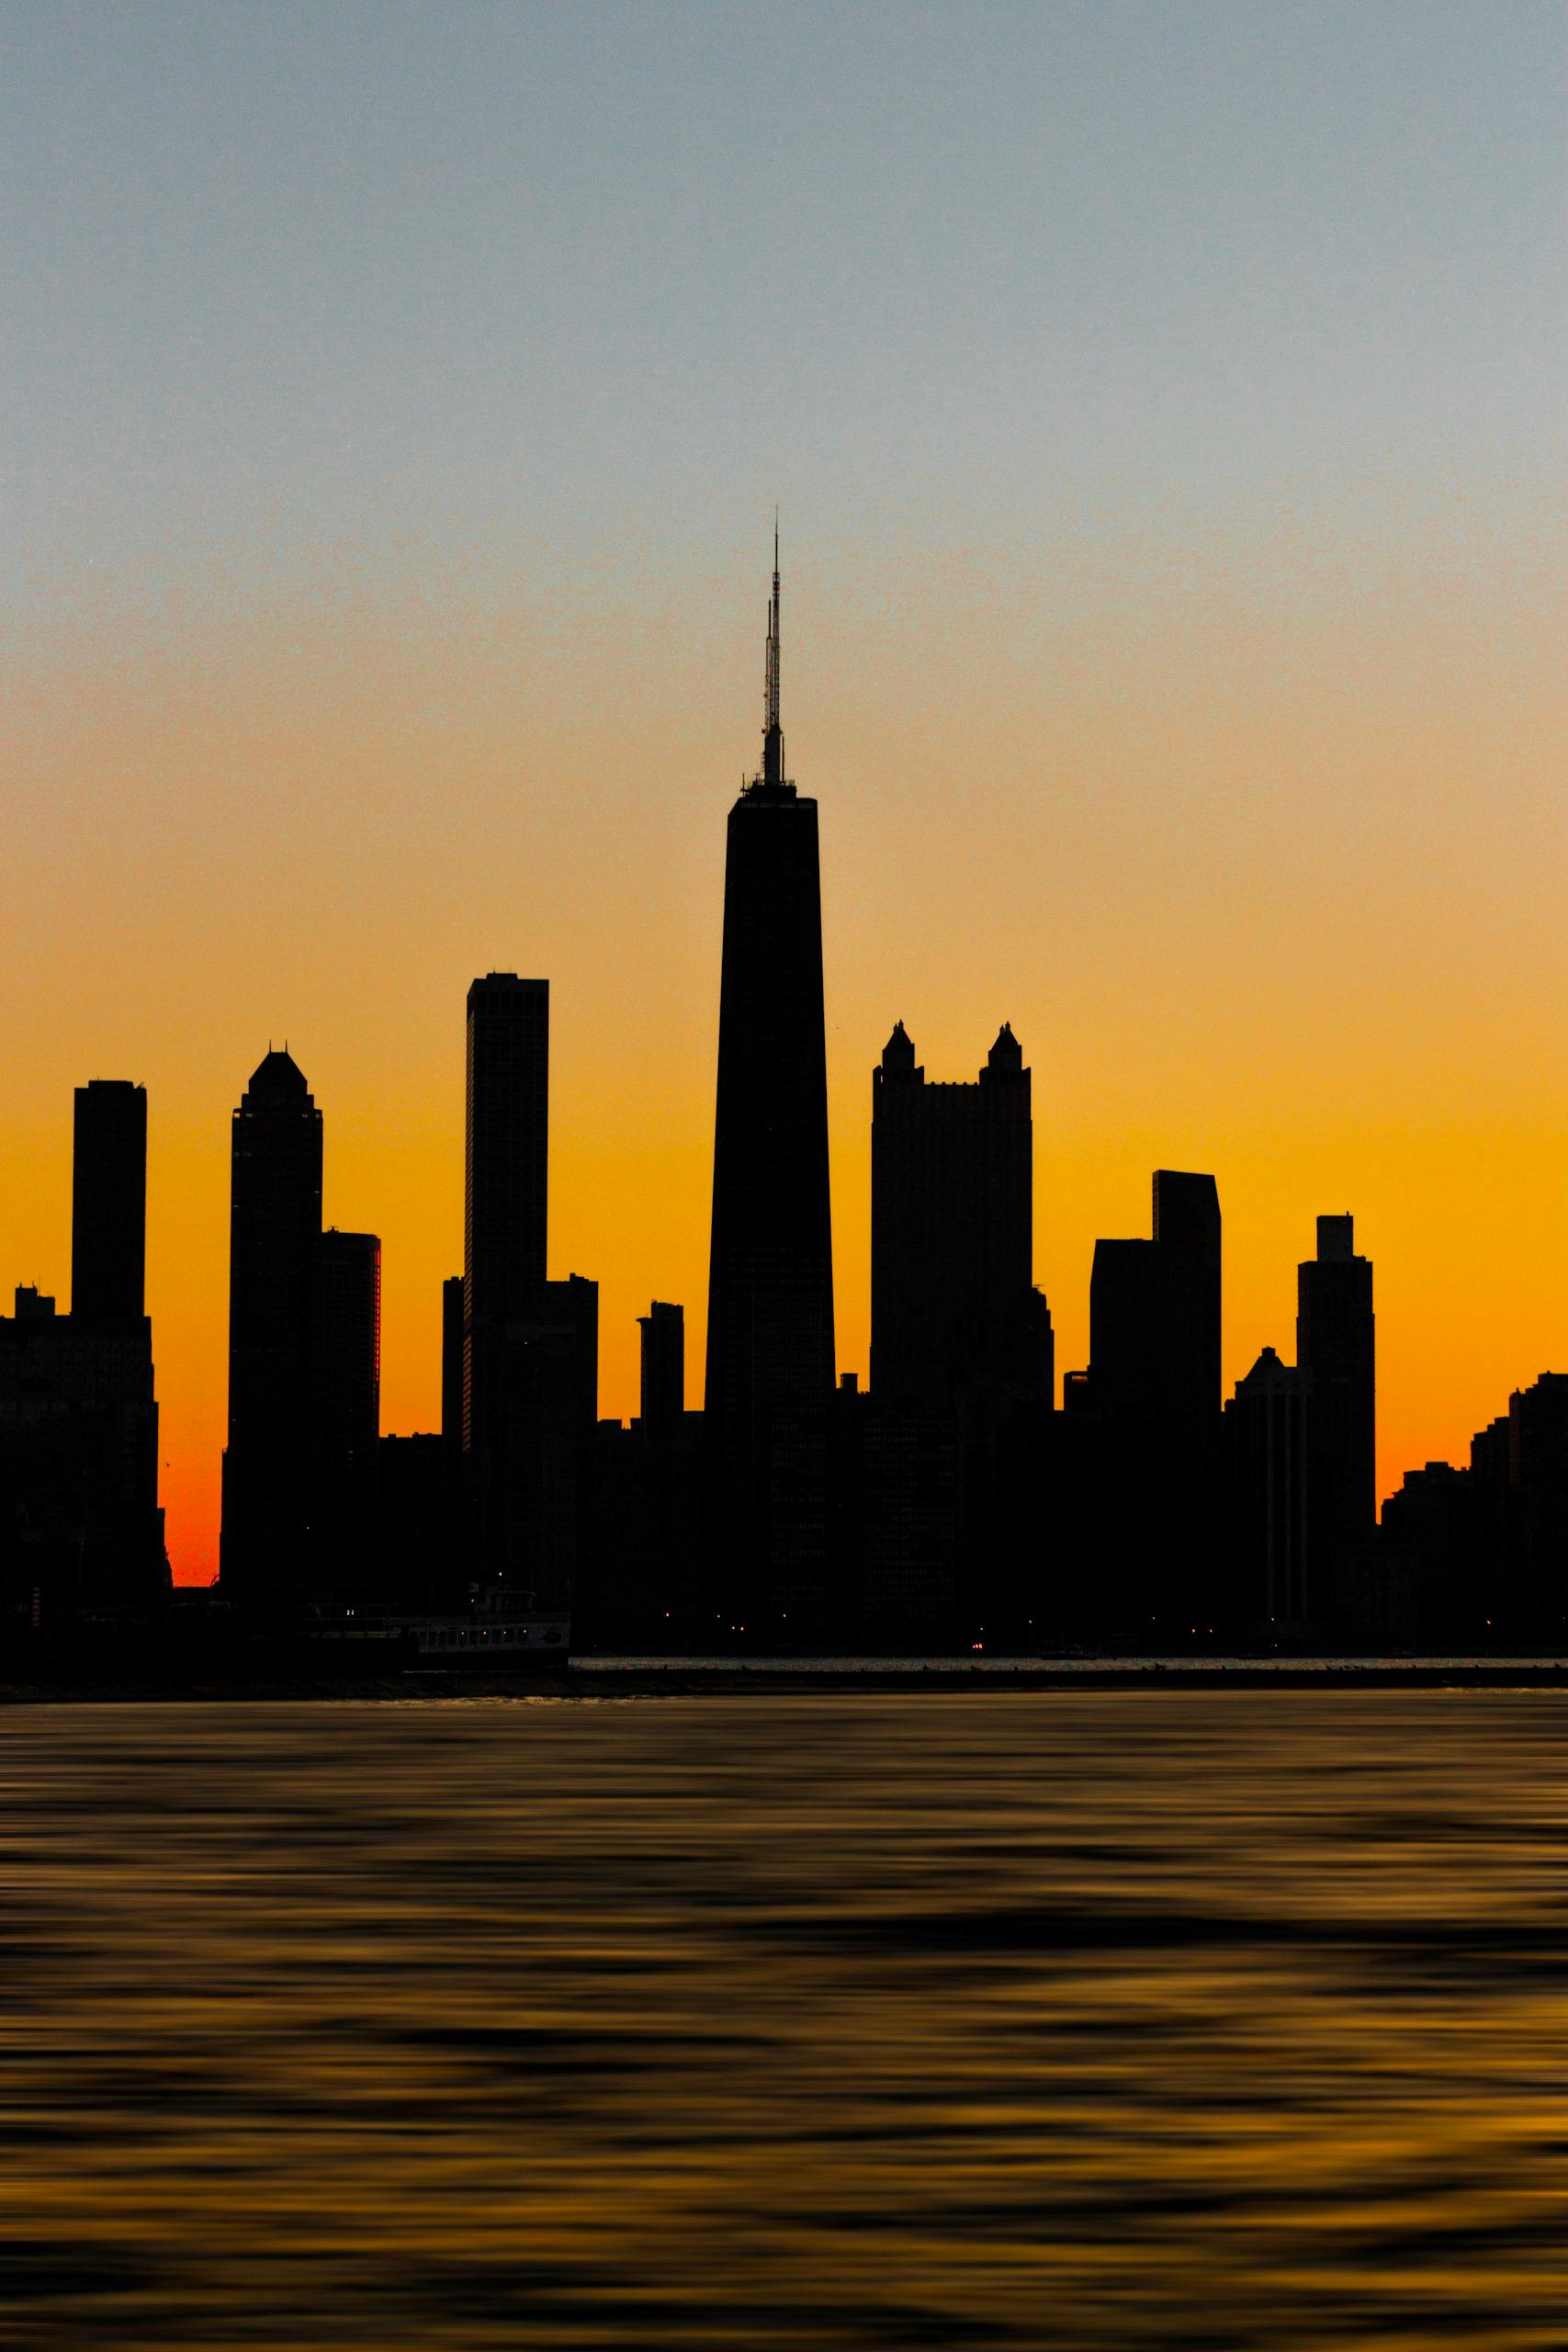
{"x": 952, "y": 1504}
{"x": 81, "y": 1530}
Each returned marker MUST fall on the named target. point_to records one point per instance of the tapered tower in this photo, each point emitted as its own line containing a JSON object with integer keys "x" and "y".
{"x": 770, "y": 1340}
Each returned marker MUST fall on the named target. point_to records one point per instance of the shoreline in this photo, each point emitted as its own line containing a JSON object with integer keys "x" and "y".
{"x": 595, "y": 1679}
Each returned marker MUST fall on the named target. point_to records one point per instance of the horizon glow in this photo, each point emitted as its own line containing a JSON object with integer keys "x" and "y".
{"x": 1166, "y": 415}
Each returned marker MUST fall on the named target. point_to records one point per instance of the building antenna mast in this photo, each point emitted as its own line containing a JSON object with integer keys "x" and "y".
{"x": 773, "y": 734}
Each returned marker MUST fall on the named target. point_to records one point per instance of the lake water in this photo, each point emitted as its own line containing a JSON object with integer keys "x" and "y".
{"x": 1154, "y": 2017}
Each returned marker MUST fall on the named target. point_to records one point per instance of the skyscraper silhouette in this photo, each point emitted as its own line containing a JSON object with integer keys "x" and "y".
{"x": 961, "y": 1347}
{"x": 953, "y": 1302}
{"x": 1335, "y": 1342}
{"x": 345, "y": 1373}
{"x": 1155, "y": 1312}
{"x": 531, "y": 1346}
{"x": 663, "y": 1330}
{"x": 1149, "y": 1442}
{"x": 504, "y": 1227}
{"x": 274, "y": 1240}
{"x": 108, "y": 1204}
{"x": 1268, "y": 1425}
{"x": 347, "y": 1348}
{"x": 79, "y": 1515}
{"x": 770, "y": 1340}
{"x": 1186, "y": 1247}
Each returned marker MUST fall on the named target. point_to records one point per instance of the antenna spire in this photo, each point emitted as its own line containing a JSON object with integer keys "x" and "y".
{"x": 773, "y": 733}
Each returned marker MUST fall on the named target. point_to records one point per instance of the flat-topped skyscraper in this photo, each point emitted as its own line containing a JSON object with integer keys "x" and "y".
{"x": 505, "y": 1228}
{"x": 769, "y": 1338}
{"x": 109, "y": 1205}
{"x": 506, "y": 1190}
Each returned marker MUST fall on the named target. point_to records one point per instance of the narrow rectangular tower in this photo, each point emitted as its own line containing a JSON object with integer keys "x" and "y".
{"x": 1335, "y": 1342}
{"x": 505, "y": 1199}
{"x": 108, "y": 1204}
{"x": 1186, "y": 1247}
{"x": 506, "y": 1192}
{"x": 530, "y": 1346}
{"x": 664, "y": 1329}
{"x": 347, "y": 1365}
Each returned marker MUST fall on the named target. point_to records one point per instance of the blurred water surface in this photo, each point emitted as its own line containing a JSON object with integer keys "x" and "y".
{"x": 1131, "y": 2018}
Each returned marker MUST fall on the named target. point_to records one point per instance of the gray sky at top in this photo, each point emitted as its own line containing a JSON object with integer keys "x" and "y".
{"x": 280, "y": 277}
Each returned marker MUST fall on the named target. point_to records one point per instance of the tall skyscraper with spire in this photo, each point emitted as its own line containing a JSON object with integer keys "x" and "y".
{"x": 770, "y": 1340}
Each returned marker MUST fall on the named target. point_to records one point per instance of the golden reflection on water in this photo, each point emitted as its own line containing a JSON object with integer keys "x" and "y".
{"x": 1201, "y": 2019}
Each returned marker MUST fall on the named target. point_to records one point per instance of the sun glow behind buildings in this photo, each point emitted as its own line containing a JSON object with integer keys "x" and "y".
{"x": 1172, "y": 478}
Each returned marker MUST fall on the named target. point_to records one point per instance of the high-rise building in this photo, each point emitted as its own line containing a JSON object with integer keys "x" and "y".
{"x": 274, "y": 1255}
{"x": 1268, "y": 1422}
{"x": 639, "y": 1508}
{"x": 80, "y": 1524}
{"x": 1187, "y": 1251}
{"x": 1149, "y": 1442}
{"x": 81, "y": 1528}
{"x": 547, "y": 1360}
{"x": 347, "y": 1348}
{"x": 952, "y": 1225}
{"x": 1124, "y": 1322}
{"x": 1336, "y": 1344}
{"x": 1154, "y": 1310}
{"x": 769, "y": 1338}
{"x": 531, "y": 1346}
{"x": 504, "y": 1232}
{"x": 346, "y": 1374}
{"x": 506, "y": 1189}
{"x": 664, "y": 1329}
{"x": 961, "y": 1348}
{"x": 109, "y": 1205}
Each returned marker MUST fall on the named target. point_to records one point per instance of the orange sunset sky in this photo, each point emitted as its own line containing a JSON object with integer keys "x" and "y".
{"x": 1164, "y": 410}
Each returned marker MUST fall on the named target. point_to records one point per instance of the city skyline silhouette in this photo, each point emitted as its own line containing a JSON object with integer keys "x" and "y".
{"x": 797, "y": 1508}
{"x": 1168, "y": 440}
{"x": 783, "y": 1198}
{"x": 754, "y": 984}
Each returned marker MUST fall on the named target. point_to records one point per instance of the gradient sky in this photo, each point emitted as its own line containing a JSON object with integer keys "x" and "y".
{"x": 1166, "y": 408}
